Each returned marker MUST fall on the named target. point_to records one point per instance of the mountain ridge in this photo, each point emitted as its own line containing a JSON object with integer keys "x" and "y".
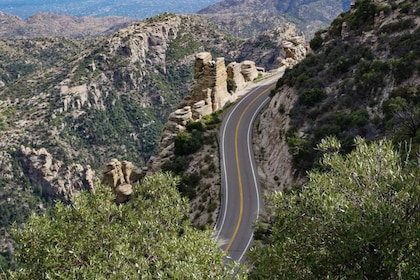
{"x": 248, "y": 18}
{"x": 58, "y": 25}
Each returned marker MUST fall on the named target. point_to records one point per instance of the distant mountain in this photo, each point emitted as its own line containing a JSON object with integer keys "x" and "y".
{"x": 138, "y": 9}
{"x": 56, "y": 25}
{"x": 250, "y": 17}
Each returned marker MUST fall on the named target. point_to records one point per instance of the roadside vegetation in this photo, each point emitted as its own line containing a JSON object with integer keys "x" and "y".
{"x": 356, "y": 218}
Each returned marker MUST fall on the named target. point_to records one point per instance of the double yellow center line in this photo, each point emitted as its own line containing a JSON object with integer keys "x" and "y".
{"x": 238, "y": 168}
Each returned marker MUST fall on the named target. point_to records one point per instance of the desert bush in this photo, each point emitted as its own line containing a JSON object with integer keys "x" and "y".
{"x": 186, "y": 143}
{"x": 316, "y": 41}
{"x": 312, "y": 97}
{"x": 231, "y": 85}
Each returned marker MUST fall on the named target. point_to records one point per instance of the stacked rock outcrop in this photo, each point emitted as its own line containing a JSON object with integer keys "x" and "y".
{"x": 295, "y": 49}
{"x": 234, "y": 74}
{"x": 208, "y": 94}
{"x": 248, "y": 70}
{"x": 120, "y": 176}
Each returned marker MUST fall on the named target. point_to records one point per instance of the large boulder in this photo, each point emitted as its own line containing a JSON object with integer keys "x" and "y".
{"x": 120, "y": 176}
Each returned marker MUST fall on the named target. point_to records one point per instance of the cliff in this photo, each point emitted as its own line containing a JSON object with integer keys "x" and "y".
{"x": 67, "y": 106}
{"x": 361, "y": 80}
{"x": 209, "y": 94}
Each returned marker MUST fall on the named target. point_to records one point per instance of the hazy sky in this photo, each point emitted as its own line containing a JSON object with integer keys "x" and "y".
{"x": 99, "y": 8}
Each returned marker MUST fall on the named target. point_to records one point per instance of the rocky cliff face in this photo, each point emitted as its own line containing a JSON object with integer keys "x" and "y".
{"x": 208, "y": 94}
{"x": 281, "y": 46}
{"x": 79, "y": 103}
{"x": 56, "y": 180}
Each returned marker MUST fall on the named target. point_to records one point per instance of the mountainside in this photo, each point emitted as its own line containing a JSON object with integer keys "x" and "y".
{"x": 67, "y": 106}
{"x": 249, "y": 17}
{"x": 361, "y": 80}
{"x": 57, "y": 25}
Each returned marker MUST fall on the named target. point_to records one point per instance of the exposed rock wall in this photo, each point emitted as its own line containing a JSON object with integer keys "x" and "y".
{"x": 208, "y": 94}
{"x": 120, "y": 176}
{"x": 275, "y": 162}
{"x": 282, "y": 46}
{"x": 294, "y": 50}
{"x": 56, "y": 180}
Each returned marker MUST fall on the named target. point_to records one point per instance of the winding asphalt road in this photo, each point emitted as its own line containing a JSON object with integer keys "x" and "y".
{"x": 241, "y": 197}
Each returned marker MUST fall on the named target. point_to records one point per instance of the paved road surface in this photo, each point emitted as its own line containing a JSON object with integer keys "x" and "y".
{"x": 241, "y": 197}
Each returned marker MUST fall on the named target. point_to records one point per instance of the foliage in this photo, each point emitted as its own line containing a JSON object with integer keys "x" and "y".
{"x": 187, "y": 143}
{"x": 183, "y": 45}
{"x": 94, "y": 238}
{"x": 398, "y": 26}
{"x": 342, "y": 84}
{"x": 124, "y": 116}
{"x": 402, "y": 116}
{"x": 363, "y": 17}
{"x": 371, "y": 76}
{"x": 316, "y": 41}
{"x": 356, "y": 218}
{"x": 312, "y": 96}
{"x": 178, "y": 165}
{"x": 231, "y": 85}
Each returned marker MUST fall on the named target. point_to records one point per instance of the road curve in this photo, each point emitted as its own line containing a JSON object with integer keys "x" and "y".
{"x": 241, "y": 199}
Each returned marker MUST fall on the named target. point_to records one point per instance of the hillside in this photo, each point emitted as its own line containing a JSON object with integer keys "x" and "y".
{"x": 362, "y": 79}
{"x": 67, "y": 106}
{"x": 249, "y": 17}
{"x": 42, "y": 25}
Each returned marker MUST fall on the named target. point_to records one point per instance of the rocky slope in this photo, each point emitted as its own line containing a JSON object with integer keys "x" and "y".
{"x": 44, "y": 25}
{"x": 248, "y": 18}
{"x": 362, "y": 79}
{"x": 67, "y": 106}
{"x": 188, "y": 144}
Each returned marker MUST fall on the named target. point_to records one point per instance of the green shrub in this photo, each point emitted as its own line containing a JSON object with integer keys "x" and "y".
{"x": 188, "y": 185}
{"x": 231, "y": 85}
{"x": 178, "y": 165}
{"x": 186, "y": 143}
{"x": 405, "y": 7}
{"x": 398, "y": 26}
{"x": 195, "y": 126}
{"x": 316, "y": 42}
{"x": 312, "y": 97}
{"x": 282, "y": 109}
{"x": 363, "y": 17}
{"x": 384, "y": 8}
{"x": 360, "y": 118}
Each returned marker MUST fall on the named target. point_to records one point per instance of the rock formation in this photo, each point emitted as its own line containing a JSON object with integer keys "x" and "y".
{"x": 208, "y": 94}
{"x": 283, "y": 46}
{"x": 295, "y": 49}
{"x": 56, "y": 180}
{"x": 120, "y": 176}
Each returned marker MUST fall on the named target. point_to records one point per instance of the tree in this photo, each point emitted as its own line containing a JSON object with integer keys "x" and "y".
{"x": 149, "y": 237}
{"x": 356, "y": 218}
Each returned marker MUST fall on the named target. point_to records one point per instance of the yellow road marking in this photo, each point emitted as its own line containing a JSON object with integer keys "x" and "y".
{"x": 241, "y": 194}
